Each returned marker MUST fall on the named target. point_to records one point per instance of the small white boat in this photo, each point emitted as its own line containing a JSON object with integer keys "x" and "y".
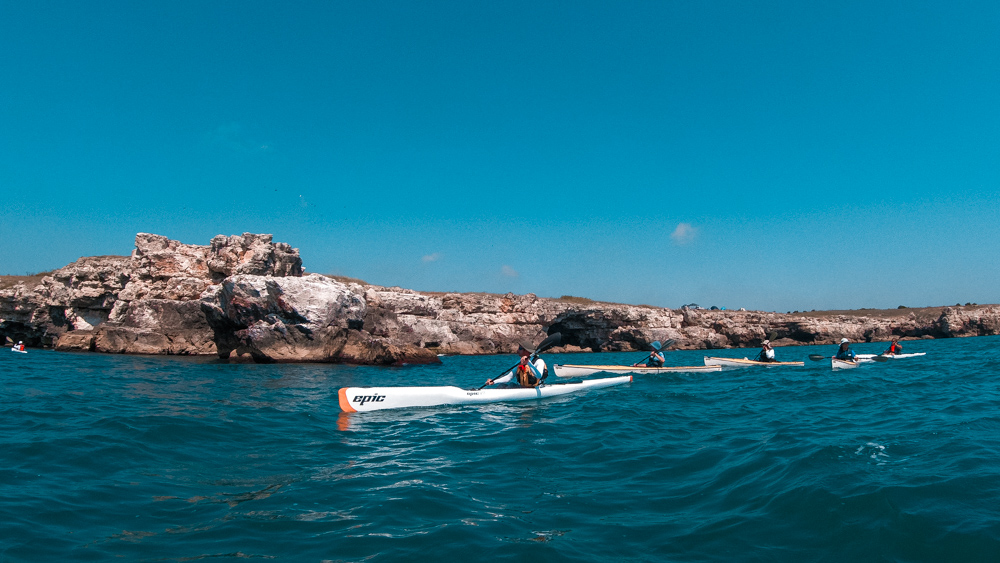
{"x": 363, "y": 399}
{"x": 842, "y": 364}
{"x": 743, "y": 362}
{"x": 18, "y": 351}
{"x": 893, "y": 356}
{"x": 570, "y": 370}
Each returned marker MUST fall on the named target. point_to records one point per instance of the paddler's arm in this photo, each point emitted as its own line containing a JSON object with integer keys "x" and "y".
{"x": 501, "y": 379}
{"x": 538, "y": 376}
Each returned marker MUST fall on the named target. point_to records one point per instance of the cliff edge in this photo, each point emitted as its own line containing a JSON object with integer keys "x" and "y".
{"x": 247, "y": 297}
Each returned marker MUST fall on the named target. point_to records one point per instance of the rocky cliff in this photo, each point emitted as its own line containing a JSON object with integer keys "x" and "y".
{"x": 247, "y": 297}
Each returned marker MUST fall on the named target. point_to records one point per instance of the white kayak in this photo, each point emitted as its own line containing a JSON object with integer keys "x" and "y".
{"x": 363, "y": 399}
{"x": 894, "y": 356}
{"x": 743, "y": 362}
{"x": 19, "y": 351}
{"x": 842, "y": 364}
{"x": 570, "y": 370}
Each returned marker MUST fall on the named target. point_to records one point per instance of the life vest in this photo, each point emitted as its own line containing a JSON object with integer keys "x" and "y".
{"x": 525, "y": 377}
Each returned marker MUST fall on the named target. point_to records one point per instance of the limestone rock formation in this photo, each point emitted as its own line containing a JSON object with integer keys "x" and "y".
{"x": 307, "y": 319}
{"x": 245, "y": 296}
{"x": 146, "y": 303}
{"x": 252, "y": 254}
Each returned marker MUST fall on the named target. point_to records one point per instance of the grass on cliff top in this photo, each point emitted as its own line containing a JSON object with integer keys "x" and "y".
{"x": 919, "y": 312}
{"x": 573, "y": 299}
{"x": 345, "y": 279}
{"x": 30, "y": 280}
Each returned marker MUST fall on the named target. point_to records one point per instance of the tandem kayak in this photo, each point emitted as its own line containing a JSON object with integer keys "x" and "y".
{"x": 842, "y": 364}
{"x": 743, "y": 362}
{"x": 363, "y": 399}
{"x": 570, "y": 370}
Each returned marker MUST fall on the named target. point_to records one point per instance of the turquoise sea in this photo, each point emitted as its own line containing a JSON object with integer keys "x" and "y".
{"x": 106, "y": 458}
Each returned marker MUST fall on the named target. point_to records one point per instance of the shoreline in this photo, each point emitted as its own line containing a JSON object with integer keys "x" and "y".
{"x": 246, "y": 298}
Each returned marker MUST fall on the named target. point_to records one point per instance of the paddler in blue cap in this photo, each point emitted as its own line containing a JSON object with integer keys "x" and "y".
{"x": 528, "y": 374}
{"x": 655, "y": 360}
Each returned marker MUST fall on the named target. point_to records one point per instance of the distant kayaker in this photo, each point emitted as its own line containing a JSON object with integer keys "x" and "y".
{"x": 655, "y": 360}
{"x": 528, "y": 374}
{"x": 19, "y": 346}
{"x": 766, "y": 351}
{"x": 895, "y": 347}
{"x": 845, "y": 352}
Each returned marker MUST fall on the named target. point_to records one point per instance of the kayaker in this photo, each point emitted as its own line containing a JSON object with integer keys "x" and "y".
{"x": 845, "y": 352}
{"x": 894, "y": 348}
{"x": 766, "y": 351}
{"x": 529, "y": 374}
{"x": 20, "y": 346}
{"x": 655, "y": 360}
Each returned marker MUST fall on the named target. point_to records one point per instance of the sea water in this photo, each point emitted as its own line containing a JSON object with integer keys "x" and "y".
{"x": 106, "y": 457}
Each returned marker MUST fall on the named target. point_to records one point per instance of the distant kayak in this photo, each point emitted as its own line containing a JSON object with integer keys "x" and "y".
{"x": 893, "y": 356}
{"x": 842, "y": 364}
{"x": 363, "y": 399}
{"x": 743, "y": 362}
{"x": 19, "y": 351}
{"x": 570, "y": 370}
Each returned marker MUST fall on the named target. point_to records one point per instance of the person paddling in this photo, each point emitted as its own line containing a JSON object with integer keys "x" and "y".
{"x": 845, "y": 352}
{"x": 528, "y": 374}
{"x": 20, "y": 346}
{"x": 766, "y": 351}
{"x": 894, "y": 348}
{"x": 655, "y": 360}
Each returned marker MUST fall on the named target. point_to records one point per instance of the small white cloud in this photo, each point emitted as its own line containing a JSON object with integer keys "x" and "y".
{"x": 432, "y": 257}
{"x": 684, "y": 233}
{"x": 509, "y": 272}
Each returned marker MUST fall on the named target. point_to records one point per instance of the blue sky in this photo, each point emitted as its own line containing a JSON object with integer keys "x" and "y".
{"x": 769, "y": 155}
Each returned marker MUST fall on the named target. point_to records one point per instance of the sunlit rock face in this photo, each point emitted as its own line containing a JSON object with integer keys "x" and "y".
{"x": 245, "y": 297}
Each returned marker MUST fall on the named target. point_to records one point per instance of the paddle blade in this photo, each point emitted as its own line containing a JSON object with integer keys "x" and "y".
{"x": 549, "y": 342}
{"x": 880, "y": 358}
{"x": 817, "y": 357}
{"x": 667, "y": 343}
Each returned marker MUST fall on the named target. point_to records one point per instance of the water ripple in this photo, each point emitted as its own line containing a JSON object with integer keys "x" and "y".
{"x": 180, "y": 459}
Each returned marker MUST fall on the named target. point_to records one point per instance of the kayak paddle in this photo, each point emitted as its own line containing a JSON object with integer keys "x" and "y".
{"x": 818, "y": 357}
{"x": 880, "y": 358}
{"x": 552, "y": 340}
{"x": 657, "y": 347}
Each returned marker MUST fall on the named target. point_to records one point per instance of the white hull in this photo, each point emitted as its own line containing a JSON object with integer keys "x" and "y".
{"x": 18, "y": 351}
{"x": 894, "y": 356}
{"x": 363, "y": 399}
{"x": 842, "y": 364}
{"x": 581, "y": 371}
{"x": 743, "y": 362}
